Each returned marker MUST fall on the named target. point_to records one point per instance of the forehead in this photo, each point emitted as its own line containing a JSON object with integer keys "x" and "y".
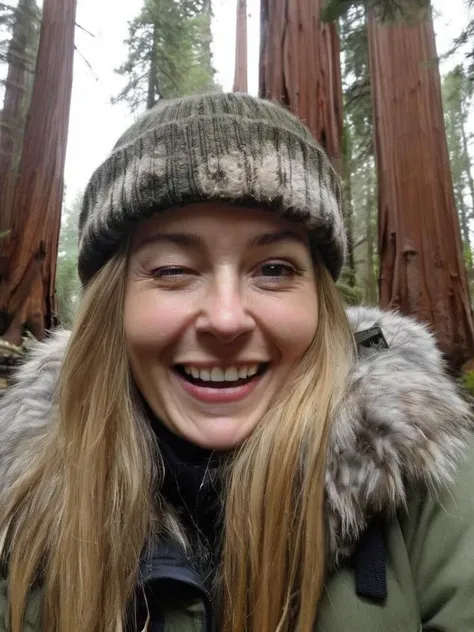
{"x": 216, "y": 221}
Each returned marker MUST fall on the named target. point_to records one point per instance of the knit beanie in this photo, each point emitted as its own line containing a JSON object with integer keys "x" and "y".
{"x": 227, "y": 147}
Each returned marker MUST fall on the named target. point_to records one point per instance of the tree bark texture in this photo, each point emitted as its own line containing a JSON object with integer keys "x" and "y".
{"x": 300, "y": 67}
{"x": 27, "y": 285}
{"x": 422, "y": 271}
{"x": 241, "y": 49}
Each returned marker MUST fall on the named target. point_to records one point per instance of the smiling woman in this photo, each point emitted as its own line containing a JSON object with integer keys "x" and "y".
{"x": 216, "y": 316}
{"x": 208, "y": 448}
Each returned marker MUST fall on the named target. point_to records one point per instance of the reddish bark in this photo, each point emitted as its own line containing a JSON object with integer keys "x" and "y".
{"x": 300, "y": 67}
{"x": 421, "y": 264}
{"x": 240, "y": 76}
{"x": 27, "y": 290}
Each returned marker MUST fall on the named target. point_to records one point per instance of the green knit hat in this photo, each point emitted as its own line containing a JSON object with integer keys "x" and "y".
{"x": 229, "y": 147}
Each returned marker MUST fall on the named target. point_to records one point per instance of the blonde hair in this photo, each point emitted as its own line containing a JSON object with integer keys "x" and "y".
{"x": 273, "y": 562}
{"x": 79, "y": 519}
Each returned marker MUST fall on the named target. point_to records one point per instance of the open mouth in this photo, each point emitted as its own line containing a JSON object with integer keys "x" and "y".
{"x": 221, "y": 377}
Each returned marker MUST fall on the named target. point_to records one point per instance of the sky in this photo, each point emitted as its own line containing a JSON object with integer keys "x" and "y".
{"x": 95, "y": 124}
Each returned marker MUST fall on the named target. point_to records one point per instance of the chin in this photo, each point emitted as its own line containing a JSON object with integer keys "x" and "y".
{"x": 220, "y": 438}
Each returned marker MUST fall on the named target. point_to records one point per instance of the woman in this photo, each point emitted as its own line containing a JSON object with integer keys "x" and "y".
{"x": 217, "y": 444}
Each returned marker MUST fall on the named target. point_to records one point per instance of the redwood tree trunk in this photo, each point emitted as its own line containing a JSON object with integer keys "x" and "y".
{"x": 240, "y": 77}
{"x": 27, "y": 288}
{"x": 421, "y": 264}
{"x": 300, "y": 67}
{"x": 12, "y": 114}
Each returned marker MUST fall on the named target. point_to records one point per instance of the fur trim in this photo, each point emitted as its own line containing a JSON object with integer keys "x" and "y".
{"x": 26, "y": 407}
{"x": 402, "y": 423}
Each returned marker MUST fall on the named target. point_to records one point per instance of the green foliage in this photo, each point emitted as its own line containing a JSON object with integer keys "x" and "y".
{"x": 168, "y": 52}
{"x": 356, "y": 82}
{"x": 465, "y": 42}
{"x": 19, "y": 41}
{"x": 457, "y": 93}
{"x": 358, "y": 154}
{"x": 68, "y": 285}
{"x": 467, "y": 252}
{"x": 350, "y": 295}
{"x": 21, "y": 25}
{"x": 386, "y": 10}
{"x": 467, "y": 382}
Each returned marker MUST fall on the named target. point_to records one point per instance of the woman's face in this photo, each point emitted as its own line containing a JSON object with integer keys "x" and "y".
{"x": 220, "y": 305}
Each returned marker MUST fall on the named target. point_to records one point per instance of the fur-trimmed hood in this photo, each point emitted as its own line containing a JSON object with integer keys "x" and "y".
{"x": 402, "y": 424}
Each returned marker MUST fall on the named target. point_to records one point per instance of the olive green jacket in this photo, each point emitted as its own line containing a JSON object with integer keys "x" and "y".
{"x": 401, "y": 456}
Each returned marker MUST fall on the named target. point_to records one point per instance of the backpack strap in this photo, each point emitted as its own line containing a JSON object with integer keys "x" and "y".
{"x": 370, "y": 557}
{"x": 370, "y": 563}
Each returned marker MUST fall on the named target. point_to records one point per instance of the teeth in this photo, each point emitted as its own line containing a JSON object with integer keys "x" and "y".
{"x": 218, "y": 374}
{"x": 205, "y": 374}
{"x": 243, "y": 372}
{"x": 231, "y": 374}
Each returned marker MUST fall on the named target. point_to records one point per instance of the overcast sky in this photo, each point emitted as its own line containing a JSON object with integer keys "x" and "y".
{"x": 95, "y": 124}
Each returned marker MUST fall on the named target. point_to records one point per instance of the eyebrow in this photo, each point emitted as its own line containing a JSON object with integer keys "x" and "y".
{"x": 180, "y": 239}
{"x": 267, "y": 239}
{"x": 193, "y": 240}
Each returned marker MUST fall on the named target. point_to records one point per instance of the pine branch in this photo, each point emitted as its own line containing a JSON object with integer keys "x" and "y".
{"x": 86, "y": 62}
{"x": 85, "y": 30}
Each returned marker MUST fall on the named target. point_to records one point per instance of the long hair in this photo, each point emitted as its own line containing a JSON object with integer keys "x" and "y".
{"x": 273, "y": 562}
{"x": 80, "y": 517}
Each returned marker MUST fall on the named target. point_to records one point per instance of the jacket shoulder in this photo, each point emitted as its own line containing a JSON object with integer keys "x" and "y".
{"x": 33, "y": 610}
{"x": 438, "y": 528}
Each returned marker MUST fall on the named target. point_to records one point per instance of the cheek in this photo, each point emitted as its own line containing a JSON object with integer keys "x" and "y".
{"x": 292, "y": 324}
{"x": 152, "y": 320}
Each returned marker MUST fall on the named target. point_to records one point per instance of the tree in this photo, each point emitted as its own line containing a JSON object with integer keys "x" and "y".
{"x": 68, "y": 285}
{"x": 457, "y": 96}
{"x": 27, "y": 280}
{"x": 385, "y": 10}
{"x": 19, "y": 52}
{"x": 465, "y": 41}
{"x": 169, "y": 52}
{"x": 240, "y": 76}
{"x": 421, "y": 261}
{"x": 300, "y": 67}
{"x": 358, "y": 157}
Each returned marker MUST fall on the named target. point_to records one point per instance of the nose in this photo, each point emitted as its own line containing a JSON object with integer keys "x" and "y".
{"x": 223, "y": 312}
